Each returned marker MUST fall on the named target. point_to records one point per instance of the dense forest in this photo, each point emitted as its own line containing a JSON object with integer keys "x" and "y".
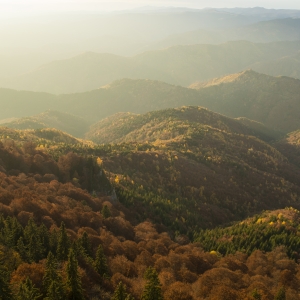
{"x": 65, "y": 235}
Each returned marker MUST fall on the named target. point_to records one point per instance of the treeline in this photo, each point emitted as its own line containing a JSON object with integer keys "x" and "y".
{"x": 264, "y": 232}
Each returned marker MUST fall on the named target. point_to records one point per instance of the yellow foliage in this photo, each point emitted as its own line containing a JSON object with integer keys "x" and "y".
{"x": 99, "y": 161}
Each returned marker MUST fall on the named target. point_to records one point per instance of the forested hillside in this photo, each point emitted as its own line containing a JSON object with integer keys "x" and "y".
{"x": 52, "y": 119}
{"x": 63, "y": 229}
{"x": 194, "y": 154}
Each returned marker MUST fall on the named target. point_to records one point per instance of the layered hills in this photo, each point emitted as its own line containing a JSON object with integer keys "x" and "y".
{"x": 272, "y": 101}
{"x": 255, "y": 96}
{"x": 52, "y": 119}
{"x": 208, "y": 168}
{"x": 180, "y": 65}
{"x": 281, "y": 29}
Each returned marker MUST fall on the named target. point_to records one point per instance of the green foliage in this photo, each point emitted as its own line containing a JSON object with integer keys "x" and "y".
{"x": 120, "y": 292}
{"x": 27, "y": 291}
{"x": 101, "y": 263}
{"x": 75, "y": 291}
{"x": 105, "y": 212}
{"x": 85, "y": 244}
{"x": 257, "y": 233}
{"x": 5, "y": 290}
{"x": 152, "y": 290}
{"x": 52, "y": 281}
{"x": 256, "y": 295}
{"x": 63, "y": 244}
{"x": 35, "y": 243}
{"x": 280, "y": 295}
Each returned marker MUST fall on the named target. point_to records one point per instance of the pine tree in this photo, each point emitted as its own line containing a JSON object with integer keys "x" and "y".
{"x": 55, "y": 291}
{"x": 152, "y": 289}
{"x": 45, "y": 238}
{"x": 85, "y": 244}
{"x": 33, "y": 242}
{"x": 5, "y": 292}
{"x": 63, "y": 243}
{"x": 280, "y": 294}
{"x": 256, "y": 295}
{"x": 74, "y": 280}
{"x": 52, "y": 281}
{"x": 53, "y": 241}
{"x": 22, "y": 249}
{"x": 120, "y": 292}
{"x": 27, "y": 291}
{"x": 105, "y": 212}
{"x": 100, "y": 262}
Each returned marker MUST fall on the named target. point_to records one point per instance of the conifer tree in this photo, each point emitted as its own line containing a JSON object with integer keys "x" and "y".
{"x": 55, "y": 291}
{"x": 63, "y": 244}
{"x": 120, "y": 292}
{"x": 45, "y": 238}
{"x": 85, "y": 244}
{"x": 27, "y": 291}
{"x": 22, "y": 249}
{"x": 256, "y": 295}
{"x": 73, "y": 278}
{"x": 53, "y": 241}
{"x": 152, "y": 290}
{"x": 280, "y": 294}
{"x": 52, "y": 281}
{"x": 5, "y": 292}
{"x": 100, "y": 262}
{"x": 105, "y": 212}
{"x": 33, "y": 242}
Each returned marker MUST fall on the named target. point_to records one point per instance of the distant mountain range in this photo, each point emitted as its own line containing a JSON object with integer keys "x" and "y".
{"x": 286, "y": 29}
{"x": 272, "y": 101}
{"x": 180, "y": 65}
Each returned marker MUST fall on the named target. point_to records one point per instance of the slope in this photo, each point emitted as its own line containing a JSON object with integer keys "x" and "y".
{"x": 285, "y": 66}
{"x": 190, "y": 167}
{"x": 273, "y": 101}
{"x": 52, "y": 119}
{"x": 46, "y": 207}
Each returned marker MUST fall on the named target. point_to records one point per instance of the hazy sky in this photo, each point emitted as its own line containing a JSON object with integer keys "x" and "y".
{"x": 129, "y": 4}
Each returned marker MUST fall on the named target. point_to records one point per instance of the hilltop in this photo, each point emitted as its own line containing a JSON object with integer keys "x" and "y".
{"x": 179, "y": 65}
{"x": 161, "y": 160}
{"x": 42, "y": 137}
{"x": 273, "y": 101}
{"x": 52, "y": 119}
